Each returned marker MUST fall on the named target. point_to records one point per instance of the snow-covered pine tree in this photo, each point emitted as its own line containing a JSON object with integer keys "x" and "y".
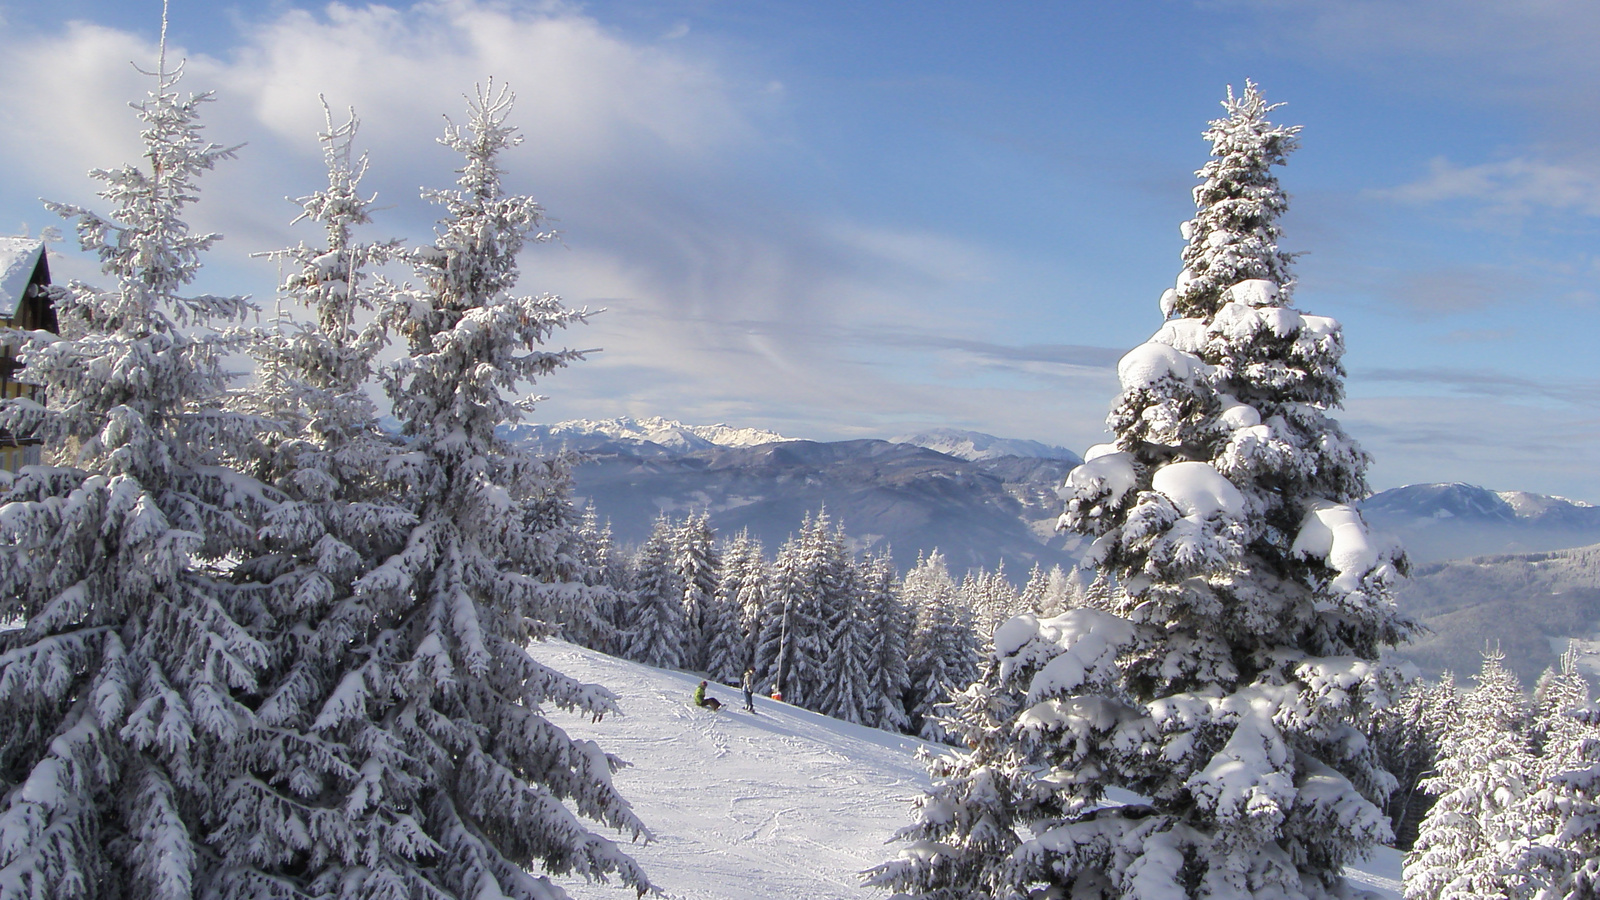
{"x": 597, "y": 558}
{"x": 1035, "y": 590}
{"x": 739, "y": 603}
{"x": 771, "y": 644}
{"x": 996, "y": 601}
{"x": 1558, "y": 736}
{"x": 492, "y": 784}
{"x": 848, "y": 693}
{"x": 1229, "y": 680}
{"x": 944, "y": 649}
{"x": 653, "y": 632}
{"x": 698, "y": 567}
{"x": 794, "y": 639}
{"x": 891, "y": 643}
{"x": 1469, "y": 844}
{"x": 1559, "y": 819}
{"x": 1408, "y": 748}
{"x": 127, "y": 652}
{"x": 964, "y": 841}
{"x": 295, "y": 825}
{"x": 1567, "y": 852}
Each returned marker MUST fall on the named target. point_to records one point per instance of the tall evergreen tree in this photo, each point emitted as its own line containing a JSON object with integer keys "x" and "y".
{"x": 1558, "y": 736}
{"x": 654, "y": 630}
{"x": 127, "y": 655}
{"x": 891, "y": 635}
{"x": 296, "y": 825}
{"x": 599, "y": 563}
{"x": 1229, "y": 681}
{"x": 698, "y": 567}
{"x": 806, "y": 584}
{"x": 1036, "y": 590}
{"x": 944, "y": 648}
{"x": 449, "y": 696}
{"x": 1405, "y": 740}
{"x": 849, "y": 692}
{"x": 1469, "y": 842}
{"x": 1567, "y": 855}
{"x": 741, "y": 593}
{"x": 1560, "y": 821}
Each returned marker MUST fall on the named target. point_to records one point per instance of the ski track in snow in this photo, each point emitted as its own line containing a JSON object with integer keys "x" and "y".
{"x": 784, "y": 803}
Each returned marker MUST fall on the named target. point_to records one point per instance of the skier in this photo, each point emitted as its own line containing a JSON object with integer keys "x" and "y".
{"x": 749, "y": 686}
{"x": 700, "y": 698}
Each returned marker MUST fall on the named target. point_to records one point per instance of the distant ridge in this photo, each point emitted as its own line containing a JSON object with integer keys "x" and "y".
{"x": 1000, "y": 507}
{"x": 975, "y": 445}
{"x": 654, "y": 431}
{"x": 1455, "y": 520}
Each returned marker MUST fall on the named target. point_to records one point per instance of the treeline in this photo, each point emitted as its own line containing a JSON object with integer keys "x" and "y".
{"x": 1496, "y": 786}
{"x": 826, "y": 629}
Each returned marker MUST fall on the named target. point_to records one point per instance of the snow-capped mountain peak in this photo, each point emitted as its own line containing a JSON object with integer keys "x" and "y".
{"x": 1452, "y": 521}
{"x": 662, "y": 432}
{"x": 975, "y": 445}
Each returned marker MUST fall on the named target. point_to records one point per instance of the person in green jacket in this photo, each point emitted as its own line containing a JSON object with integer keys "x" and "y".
{"x": 700, "y": 698}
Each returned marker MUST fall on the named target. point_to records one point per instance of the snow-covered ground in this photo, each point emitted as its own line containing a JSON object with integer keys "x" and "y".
{"x": 785, "y": 803}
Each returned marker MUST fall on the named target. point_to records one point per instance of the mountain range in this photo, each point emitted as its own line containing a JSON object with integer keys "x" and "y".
{"x": 1454, "y": 521}
{"x": 978, "y": 498}
{"x": 1488, "y": 565}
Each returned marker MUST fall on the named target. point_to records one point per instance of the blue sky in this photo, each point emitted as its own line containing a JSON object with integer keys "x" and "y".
{"x": 857, "y": 219}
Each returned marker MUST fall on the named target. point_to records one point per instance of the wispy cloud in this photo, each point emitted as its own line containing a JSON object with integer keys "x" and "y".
{"x": 1513, "y": 188}
{"x": 1539, "y": 55}
{"x": 1486, "y": 382}
{"x": 722, "y": 294}
{"x": 1478, "y": 439}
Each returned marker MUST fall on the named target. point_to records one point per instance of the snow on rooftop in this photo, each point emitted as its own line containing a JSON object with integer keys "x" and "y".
{"x": 19, "y": 256}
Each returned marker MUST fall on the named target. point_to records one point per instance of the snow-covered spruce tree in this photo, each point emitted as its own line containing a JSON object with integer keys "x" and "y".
{"x": 1551, "y": 854}
{"x": 493, "y": 785}
{"x": 695, "y": 559}
{"x": 598, "y": 561}
{"x": 739, "y": 603}
{"x": 1567, "y": 853}
{"x": 1558, "y": 736}
{"x": 1468, "y": 845}
{"x": 992, "y": 598}
{"x": 794, "y": 639}
{"x": 891, "y": 648}
{"x": 944, "y": 649}
{"x": 849, "y": 692}
{"x": 126, "y": 657}
{"x": 1228, "y": 683}
{"x": 653, "y": 631}
{"x": 307, "y": 820}
{"x": 1408, "y": 748}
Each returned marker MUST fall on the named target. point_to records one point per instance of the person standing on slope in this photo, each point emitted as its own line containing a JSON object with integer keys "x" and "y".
{"x": 749, "y": 686}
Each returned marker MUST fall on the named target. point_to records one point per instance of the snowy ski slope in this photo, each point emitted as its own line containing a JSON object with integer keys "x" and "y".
{"x": 782, "y": 804}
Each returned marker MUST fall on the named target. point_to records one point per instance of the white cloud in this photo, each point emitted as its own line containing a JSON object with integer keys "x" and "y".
{"x": 1515, "y": 188}
{"x": 1534, "y": 53}
{"x": 591, "y": 98}
{"x": 1497, "y": 443}
{"x": 727, "y": 298}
